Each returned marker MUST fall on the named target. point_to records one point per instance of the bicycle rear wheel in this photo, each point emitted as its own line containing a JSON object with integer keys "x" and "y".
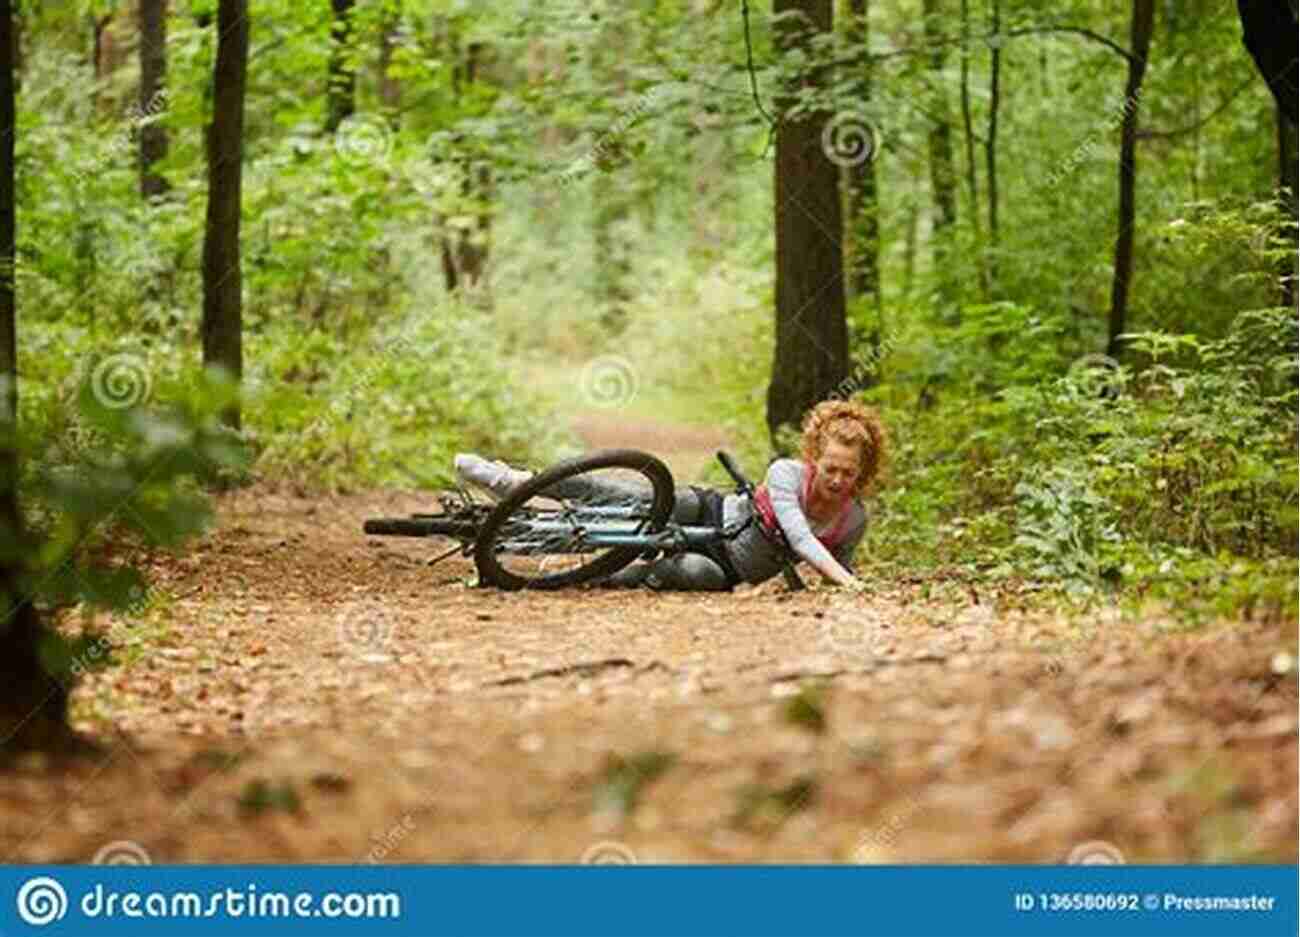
{"x": 561, "y": 527}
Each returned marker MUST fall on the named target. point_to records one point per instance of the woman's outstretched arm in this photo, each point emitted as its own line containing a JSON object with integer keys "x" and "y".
{"x": 784, "y": 479}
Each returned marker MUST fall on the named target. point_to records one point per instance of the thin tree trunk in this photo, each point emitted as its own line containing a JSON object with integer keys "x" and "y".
{"x": 465, "y": 251}
{"x": 811, "y": 356}
{"x": 99, "y": 56}
{"x": 1140, "y": 44}
{"x": 19, "y": 28}
{"x": 972, "y": 186}
{"x": 709, "y": 172}
{"x": 991, "y": 140}
{"x": 909, "y": 242}
{"x": 342, "y": 76}
{"x": 863, "y": 199}
{"x": 610, "y": 202}
{"x": 943, "y": 176}
{"x": 222, "y": 277}
{"x": 153, "y": 73}
{"x": 390, "y": 89}
{"x": 33, "y": 705}
{"x": 1287, "y": 188}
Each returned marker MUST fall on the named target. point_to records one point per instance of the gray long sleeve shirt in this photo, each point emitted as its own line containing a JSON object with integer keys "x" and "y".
{"x": 756, "y": 558}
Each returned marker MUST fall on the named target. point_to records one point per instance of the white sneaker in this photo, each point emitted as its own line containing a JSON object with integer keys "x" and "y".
{"x": 497, "y": 478}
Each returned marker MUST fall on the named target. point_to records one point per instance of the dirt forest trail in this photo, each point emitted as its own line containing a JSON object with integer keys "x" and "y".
{"x": 296, "y": 691}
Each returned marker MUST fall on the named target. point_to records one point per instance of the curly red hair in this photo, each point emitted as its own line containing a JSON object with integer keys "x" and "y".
{"x": 852, "y": 424}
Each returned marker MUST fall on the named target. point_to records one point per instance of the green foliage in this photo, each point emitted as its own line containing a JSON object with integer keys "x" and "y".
{"x": 624, "y": 779}
{"x": 1082, "y": 479}
{"x": 760, "y": 806}
{"x": 1063, "y": 528}
{"x": 807, "y": 709}
{"x": 116, "y": 467}
{"x": 261, "y": 796}
{"x": 1016, "y": 450}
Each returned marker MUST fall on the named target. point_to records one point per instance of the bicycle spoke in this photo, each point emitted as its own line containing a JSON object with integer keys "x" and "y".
{"x": 574, "y": 521}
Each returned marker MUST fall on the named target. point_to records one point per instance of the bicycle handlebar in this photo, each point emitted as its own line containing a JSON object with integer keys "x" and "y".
{"x": 734, "y": 471}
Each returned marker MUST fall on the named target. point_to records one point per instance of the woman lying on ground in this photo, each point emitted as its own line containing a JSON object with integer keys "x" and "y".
{"x": 814, "y": 501}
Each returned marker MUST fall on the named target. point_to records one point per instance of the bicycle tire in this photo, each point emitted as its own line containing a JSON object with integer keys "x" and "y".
{"x": 606, "y": 563}
{"x": 427, "y": 526}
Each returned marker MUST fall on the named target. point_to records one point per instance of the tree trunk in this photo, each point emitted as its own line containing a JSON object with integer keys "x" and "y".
{"x": 465, "y": 251}
{"x": 712, "y": 196}
{"x": 1268, "y": 30}
{"x": 811, "y": 356}
{"x": 972, "y": 186}
{"x": 943, "y": 177}
{"x": 991, "y": 140}
{"x": 153, "y": 73}
{"x": 342, "y": 76}
{"x": 390, "y": 89}
{"x": 611, "y": 203}
{"x": 1287, "y": 188}
{"x": 8, "y": 255}
{"x": 19, "y": 28}
{"x": 99, "y": 55}
{"x": 863, "y": 199}
{"x": 909, "y": 241}
{"x": 33, "y": 705}
{"x": 222, "y": 278}
{"x": 1140, "y": 44}
{"x": 862, "y": 226}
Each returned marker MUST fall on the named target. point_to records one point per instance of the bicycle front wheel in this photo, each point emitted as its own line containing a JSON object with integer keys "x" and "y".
{"x": 577, "y": 521}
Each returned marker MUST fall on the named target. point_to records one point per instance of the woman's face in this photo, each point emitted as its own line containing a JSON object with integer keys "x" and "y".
{"x": 837, "y": 471}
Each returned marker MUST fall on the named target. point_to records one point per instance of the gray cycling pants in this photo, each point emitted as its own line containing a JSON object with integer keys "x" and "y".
{"x": 682, "y": 572}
